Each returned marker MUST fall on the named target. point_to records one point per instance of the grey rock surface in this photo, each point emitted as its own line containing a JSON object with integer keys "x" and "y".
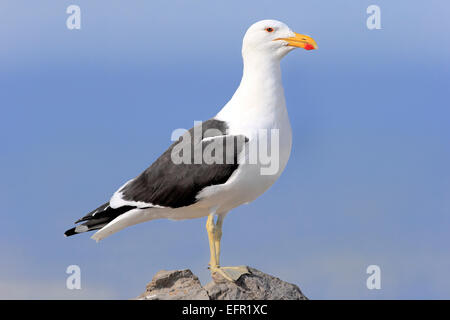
{"x": 174, "y": 285}
{"x": 184, "y": 285}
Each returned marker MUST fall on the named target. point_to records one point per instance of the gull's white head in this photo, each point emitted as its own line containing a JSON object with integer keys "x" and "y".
{"x": 273, "y": 39}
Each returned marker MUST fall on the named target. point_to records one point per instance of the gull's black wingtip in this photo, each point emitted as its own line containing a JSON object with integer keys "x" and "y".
{"x": 70, "y": 232}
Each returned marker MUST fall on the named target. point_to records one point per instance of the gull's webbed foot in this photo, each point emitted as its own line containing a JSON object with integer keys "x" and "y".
{"x": 228, "y": 273}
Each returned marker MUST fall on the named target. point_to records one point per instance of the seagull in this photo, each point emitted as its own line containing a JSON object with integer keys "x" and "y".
{"x": 218, "y": 164}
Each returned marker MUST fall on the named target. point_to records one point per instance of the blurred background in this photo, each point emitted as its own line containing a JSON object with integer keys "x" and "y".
{"x": 368, "y": 182}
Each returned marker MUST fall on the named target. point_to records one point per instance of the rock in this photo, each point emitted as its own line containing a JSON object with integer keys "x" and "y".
{"x": 174, "y": 285}
{"x": 254, "y": 286}
{"x": 184, "y": 285}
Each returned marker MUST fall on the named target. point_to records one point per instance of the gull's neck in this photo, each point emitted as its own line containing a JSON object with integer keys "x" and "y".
{"x": 260, "y": 91}
{"x": 261, "y": 75}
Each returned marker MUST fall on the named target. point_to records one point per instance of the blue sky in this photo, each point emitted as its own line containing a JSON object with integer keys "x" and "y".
{"x": 368, "y": 181}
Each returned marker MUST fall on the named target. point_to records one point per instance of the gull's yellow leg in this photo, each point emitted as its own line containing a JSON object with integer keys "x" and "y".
{"x": 214, "y": 237}
{"x": 218, "y": 237}
{"x": 210, "y": 228}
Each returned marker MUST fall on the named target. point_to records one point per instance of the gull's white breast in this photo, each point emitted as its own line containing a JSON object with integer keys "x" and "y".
{"x": 250, "y": 180}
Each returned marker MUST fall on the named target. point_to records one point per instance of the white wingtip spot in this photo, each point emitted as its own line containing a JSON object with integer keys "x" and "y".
{"x": 80, "y": 229}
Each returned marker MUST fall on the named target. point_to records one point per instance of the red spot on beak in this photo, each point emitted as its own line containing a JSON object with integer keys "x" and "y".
{"x": 309, "y": 47}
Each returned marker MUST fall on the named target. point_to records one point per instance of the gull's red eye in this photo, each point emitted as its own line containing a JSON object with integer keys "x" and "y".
{"x": 269, "y": 29}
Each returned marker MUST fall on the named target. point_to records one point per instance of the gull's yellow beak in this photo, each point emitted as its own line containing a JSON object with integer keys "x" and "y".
{"x": 300, "y": 41}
